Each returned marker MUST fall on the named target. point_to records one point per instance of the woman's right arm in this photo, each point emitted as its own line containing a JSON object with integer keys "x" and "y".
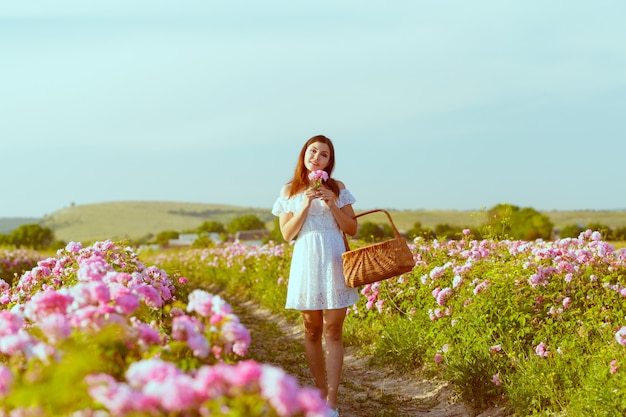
{"x": 291, "y": 223}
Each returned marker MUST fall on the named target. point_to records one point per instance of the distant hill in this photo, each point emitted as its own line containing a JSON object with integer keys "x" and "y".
{"x": 140, "y": 219}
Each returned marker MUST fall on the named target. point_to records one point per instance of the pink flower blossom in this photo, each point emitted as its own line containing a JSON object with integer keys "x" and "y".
{"x": 614, "y": 367}
{"x": 201, "y": 302}
{"x": 149, "y": 295}
{"x": 47, "y": 302}
{"x": 457, "y": 281}
{"x": 542, "y": 350}
{"x": 620, "y": 336}
{"x": 566, "y": 302}
{"x": 6, "y": 380}
{"x": 141, "y": 372}
{"x": 184, "y": 326}
{"x": 199, "y": 345}
{"x": 496, "y": 379}
{"x": 55, "y": 326}
{"x": 172, "y": 394}
{"x": 481, "y": 287}
{"x": 443, "y": 295}
{"x": 148, "y": 336}
{"x": 438, "y": 357}
{"x": 73, "y": 247}
{"x": 125, "y": 301}
{"x": 317, "y": 178}
{"x": 310, "y": 399}
{"x": 120, "y": 399}
{"x": 243, "y": 374}
{"x": 278, "y": 387}
{"x": 10, "y": 322}
{"x": 87, "y": 293}
{"x": 437, "y": 272}
{"x": 237, "y": 334}
{"x": 93, "y": 269}
{"x": 176, "y": 312}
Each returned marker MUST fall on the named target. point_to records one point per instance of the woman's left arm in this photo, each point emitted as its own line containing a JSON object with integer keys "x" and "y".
{"x": 344, "y": 216}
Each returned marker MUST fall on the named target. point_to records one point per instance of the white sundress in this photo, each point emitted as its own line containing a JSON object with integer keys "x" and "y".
{"x": 316, "y": 280}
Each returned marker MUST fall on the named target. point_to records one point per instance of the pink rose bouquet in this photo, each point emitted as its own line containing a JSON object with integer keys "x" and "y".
{"x": 317, "y": 178}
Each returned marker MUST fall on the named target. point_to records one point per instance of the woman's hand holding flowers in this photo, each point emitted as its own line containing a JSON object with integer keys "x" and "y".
{"x": 317, "y": 178}
{"x": 317, "y": 188}
{"x": 326, "y": 195}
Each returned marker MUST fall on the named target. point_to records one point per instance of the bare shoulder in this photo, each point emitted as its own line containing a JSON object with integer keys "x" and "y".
{"x": 341, "y": 185}
{"x": 284, "y": 191}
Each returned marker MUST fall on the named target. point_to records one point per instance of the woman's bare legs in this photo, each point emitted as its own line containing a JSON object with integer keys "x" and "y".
{"x": 333, "y": 335}
{"x": 313, "y": 330}
{"x": 330, "y": 324}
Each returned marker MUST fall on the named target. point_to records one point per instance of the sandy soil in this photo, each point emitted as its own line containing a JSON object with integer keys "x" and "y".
{"x": 365, "y": 391}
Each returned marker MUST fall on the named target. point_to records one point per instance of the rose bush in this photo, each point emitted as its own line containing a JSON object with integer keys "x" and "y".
{"x": 538, "y": 326}
{"x": 93, "y": 331}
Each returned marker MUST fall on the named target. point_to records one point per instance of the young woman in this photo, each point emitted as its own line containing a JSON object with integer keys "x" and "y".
{"x": 315, "y": 218}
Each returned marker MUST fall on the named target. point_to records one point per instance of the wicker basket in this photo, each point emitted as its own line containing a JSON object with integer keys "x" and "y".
{"x": 379, "y": 261}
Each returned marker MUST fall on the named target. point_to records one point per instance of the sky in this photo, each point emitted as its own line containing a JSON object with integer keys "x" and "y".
{"x": 442, "y": 105}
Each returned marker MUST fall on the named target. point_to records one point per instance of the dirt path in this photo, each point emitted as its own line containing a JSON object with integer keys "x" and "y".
{"x": 365, "y": 391}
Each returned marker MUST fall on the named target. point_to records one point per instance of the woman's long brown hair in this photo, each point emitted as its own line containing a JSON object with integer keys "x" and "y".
{"x": 300, "y": 180}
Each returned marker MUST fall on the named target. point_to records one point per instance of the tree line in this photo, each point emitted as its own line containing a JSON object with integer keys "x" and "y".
{"x": 504, "y": 221}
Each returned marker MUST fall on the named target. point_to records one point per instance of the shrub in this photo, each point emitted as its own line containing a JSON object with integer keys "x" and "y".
{"x": 538, "y": 325}
{"x": 245, "y": 222}
{"x": 95, "y": 329}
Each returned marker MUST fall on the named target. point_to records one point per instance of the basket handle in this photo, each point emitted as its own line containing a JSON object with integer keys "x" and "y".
{"x": 393, "y": 226}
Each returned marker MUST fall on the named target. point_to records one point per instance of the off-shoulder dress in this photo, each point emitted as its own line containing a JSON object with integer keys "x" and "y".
{"x": 316, "y": 280}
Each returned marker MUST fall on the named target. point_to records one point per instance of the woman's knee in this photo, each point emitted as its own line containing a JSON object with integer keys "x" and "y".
{"x": 313, "y": 327}
{"x": 313, "y": 332}
{"x": 333, "y": 331}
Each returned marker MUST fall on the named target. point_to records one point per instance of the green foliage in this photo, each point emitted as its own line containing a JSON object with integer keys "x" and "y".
{"x": 13, "y": 263}
{"x": 529, "y": 224}
{"x": 275, "y": 234}
{"x": 163, "y": 238}
{"x": 401, "y": 342}
{"x": 245, "y": 222}
{"x": 59, "y": 385}
{"x": 419, "y": 231}
{"x": 506, "y": 221}
{"x": 203, "y": 241}
{"x": 211, "y": 226}
{"x": 571, "y": 230}
{"x": 32, "y": 236}
{"x": 531, "y": 324}
{"x": 598, "y": 400}
{"x": 243, "y": 273}
{"x": 446, "y": 231}
{"x": 372, "y": 232}
{"x": 620, "y": 234}
{"x": 604, "y": 230}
